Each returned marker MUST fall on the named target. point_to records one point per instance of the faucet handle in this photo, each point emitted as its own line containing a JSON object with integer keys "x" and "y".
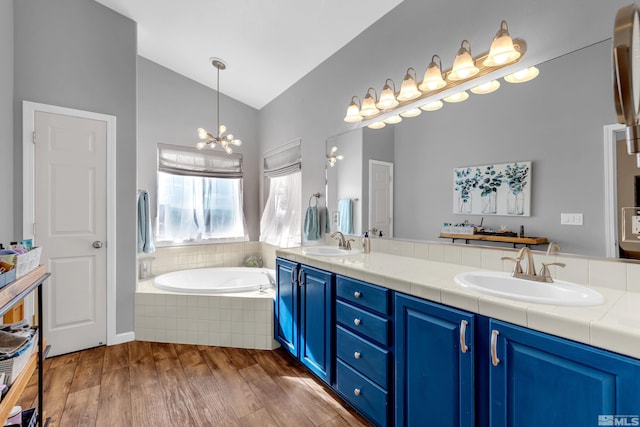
{"x": 544, "y": 271}
{"x": 517, "y": 268}
{"x": 349, "y": 244}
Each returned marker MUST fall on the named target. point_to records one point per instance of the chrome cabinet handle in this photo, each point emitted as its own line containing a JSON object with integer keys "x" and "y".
{"x": 97, "y": 244}
{"x": 300, "y": 281}
{"x": 463, "y": 333}
{"x": 356, "y": 392}
{"x": 357, "y": 294}
{"x": 356, "y": 355}
{"x": 356, "y": 322}
{"x": 494, "y": 348}
{"x": 293, "y": 275}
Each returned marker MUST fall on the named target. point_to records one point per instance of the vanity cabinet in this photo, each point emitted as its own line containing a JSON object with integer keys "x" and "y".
{"x": 364, "y": 357}
{"x": 435, "y": 357}
{"x": 304, "y": 315}
{"x": 538, "y": 379}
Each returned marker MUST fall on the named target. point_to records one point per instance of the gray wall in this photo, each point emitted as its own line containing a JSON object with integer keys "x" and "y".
{"x": 555, "y": 121}
{"x": 563, "y": 137}
{"x": 6, "y": 119}
{"x": 79, "y": 54}
{"x": 171, "y": 108}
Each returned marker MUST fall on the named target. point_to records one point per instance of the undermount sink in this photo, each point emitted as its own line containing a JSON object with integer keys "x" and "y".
{"x": 504, "y": 285}
{"x": 329, "y": 251}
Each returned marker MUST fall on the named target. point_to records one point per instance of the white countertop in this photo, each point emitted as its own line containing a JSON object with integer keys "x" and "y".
{"x": 614, "y": 325}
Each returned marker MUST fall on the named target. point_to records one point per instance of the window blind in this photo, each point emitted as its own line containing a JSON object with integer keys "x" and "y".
{"x": 189, "y": 161}
{"x": 283, "y": 160}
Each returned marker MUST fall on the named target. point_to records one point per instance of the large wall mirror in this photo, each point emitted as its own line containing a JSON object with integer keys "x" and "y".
{"x": 555, "y": 121}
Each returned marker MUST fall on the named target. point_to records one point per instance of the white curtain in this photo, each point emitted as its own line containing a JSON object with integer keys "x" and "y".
{"x": 281, "y": 220}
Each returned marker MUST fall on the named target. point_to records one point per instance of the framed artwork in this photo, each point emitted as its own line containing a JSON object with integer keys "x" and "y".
{"x": 501, "y": 189}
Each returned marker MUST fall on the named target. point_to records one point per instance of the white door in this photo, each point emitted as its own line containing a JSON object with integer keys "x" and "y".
{"x": 70, "y": 218}
{"x": 381, "y": 197}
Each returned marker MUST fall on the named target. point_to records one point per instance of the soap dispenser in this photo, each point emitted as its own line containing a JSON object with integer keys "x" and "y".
{"x": 366, "y": 243}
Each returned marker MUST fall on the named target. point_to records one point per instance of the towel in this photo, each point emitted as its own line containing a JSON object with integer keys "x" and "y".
{"x": 345, "y": 214}
{"x": 11, "y": 344}
{"x": 312, "y": 224}
{"x": 145, "y": 236}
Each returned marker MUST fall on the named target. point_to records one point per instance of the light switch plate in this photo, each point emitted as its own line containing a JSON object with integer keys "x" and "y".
{"x": 571, "y": 219}
{"x": 631, "y": 225}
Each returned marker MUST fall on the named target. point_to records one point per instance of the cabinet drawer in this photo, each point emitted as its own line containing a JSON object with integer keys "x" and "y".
{"x": 363, "y": 394}
{"x": 363, "y": 322}
{"x": 370, "y": 296}
{"x": 366, "y": 358}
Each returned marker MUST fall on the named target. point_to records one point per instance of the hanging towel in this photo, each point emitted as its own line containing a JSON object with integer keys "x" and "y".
{"x": 145, "y": 236}
{"x": 345, "y": 214}
{"x": 327, "y": 221}
{"x": 312, "y": 224}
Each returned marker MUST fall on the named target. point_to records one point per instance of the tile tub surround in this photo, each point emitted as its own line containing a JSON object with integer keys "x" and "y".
{"x": 426, "y": 270}
{"x": 242, "y": 320}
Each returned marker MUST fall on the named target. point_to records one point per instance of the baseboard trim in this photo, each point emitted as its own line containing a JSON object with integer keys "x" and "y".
{"x": 123, "y": 338}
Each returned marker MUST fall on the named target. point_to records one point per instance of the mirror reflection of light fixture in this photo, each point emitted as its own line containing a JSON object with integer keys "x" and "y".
{"x": 457, "y": 97}
{"x": 353, "y": 111}
{"x": 393, "y": 120}
{"x": 485, "y": 88}
{"x": 332, "y": 158}
{"x": 369, "y": 104}
{"x": 432, "y": 106}
{"x": 463, "y": 65}
{"x": 388, "y": 96}
{"x": 523, "y": 75}
{"x": 502, "y": 50}
{"x": 432, "y": 79}
{"x": 414, "y": 112}
{"x": 207, "y": 138}
{"x": 376, "y": 125}
{"x": 409, "y": 89}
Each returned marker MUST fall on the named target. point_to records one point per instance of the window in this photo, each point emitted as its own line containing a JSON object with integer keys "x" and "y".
{"x": 199, "y": 195}
{"x": 281, "y": 221}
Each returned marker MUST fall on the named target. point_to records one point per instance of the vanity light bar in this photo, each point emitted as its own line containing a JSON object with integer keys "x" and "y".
{"x": 504, "y": 52}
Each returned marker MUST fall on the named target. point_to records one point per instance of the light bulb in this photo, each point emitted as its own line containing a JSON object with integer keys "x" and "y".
{"x": 387, "y": 97}
{"x": 222, "y": 129}
{"x": 353, "y": 112}
{"x": 202, "y": 133}
{"x": 502, "y": 50}
{"x": 200, "y": 145}
{"x": 457, "y": 97}
{"x": 237, "y": 142}
{"x": 463, "y": 66}
{"x": 229, "y": 136}
{"x": 432, "y": 79}
{"x": 376, "y": 125}
{"x": 393, "y": 120}
{"x": 432, "y": 106}
{"x": 369, "y": 105}
{"x": 523, "y": 75}
{"x": 411, "y": 113}
{"x": 409, "y": 89}
{"x": 485, "y": 88}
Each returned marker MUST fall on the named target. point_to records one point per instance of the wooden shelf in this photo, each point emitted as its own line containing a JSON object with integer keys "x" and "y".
{"x": 18, "y": 386}
{"x": 504, "y": 239}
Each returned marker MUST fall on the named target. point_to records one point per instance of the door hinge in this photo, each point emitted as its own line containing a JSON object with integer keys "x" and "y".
{"x": 34, "y": 137}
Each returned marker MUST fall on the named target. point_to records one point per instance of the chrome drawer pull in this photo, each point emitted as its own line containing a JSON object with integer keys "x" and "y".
{"x": 356, "y": 322}
{"x": 300, "y": 282}
{"x": 494, "y": 348}
{"x": 357, "y": 294}
{"x": 356, "y": 355}
{"x": 356, "y": 392}
{"x": 463, "y": 332}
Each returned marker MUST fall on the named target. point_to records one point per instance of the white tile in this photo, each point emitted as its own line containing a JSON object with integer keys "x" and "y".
{"x": 453, "y": 254}
{"x": 436, "y": 252}
{"x": 215, "y": 326}
{"x": 248, "y": 341}
{"x": 203, "y": 338}
{"x": 237, "y": 341}
{"x": 459, "y": 298}
{"x": 203, "y": 325}
{"x": 503, "y": 309}
{"x": 171, "y": 336}
{"x": 203, "y": 313}
{"x": 633, "y": 277}
{"x": 607, "y": 274}
{"x": 431, "y": 293}
{"x": 571, "y": 324}
{"x": 576, "y": 270}
{"x": 491, "y": 259}
{"x": 472, "y": 257}
{"x": 181, "y": 324}
{"x": 248, "y": 316}
{"x": 248, "y": 328}
{"x": 237, "y": 328}
{"x": 421, "y": 250}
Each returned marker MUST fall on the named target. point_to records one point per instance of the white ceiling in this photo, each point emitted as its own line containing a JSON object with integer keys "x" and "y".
{"x": 268, "y": 45}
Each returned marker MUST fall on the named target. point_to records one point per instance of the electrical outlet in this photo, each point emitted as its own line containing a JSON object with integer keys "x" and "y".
{"x": 571, "y": 219}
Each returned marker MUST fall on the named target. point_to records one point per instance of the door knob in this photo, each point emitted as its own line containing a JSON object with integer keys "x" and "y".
{"x": 97, "y": 244}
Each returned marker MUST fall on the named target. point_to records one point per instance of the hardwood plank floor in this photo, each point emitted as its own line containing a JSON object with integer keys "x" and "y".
{"x": 141, "y": 383}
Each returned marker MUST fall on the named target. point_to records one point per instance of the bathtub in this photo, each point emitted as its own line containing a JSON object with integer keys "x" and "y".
{"x": 217, "y": 280}
{"x": 227, "y": 307}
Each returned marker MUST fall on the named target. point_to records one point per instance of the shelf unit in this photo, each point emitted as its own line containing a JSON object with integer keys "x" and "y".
{"x": 526, "y": 241}
{"x": 11, "y": 295}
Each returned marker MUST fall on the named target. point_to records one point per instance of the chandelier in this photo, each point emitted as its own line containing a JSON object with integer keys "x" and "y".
{"x": 207, "y": 138}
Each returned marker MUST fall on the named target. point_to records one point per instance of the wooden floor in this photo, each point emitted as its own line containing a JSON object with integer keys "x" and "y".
{"x": 154, "y": 384}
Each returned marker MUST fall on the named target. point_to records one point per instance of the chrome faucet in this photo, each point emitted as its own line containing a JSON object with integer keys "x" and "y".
{"x": 530, "y": 273}
{"x": 342, "y": 242}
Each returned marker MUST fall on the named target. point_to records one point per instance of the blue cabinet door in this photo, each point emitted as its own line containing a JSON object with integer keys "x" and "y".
{"x": 434, "y": 372}
{"x": 286, "y": 305}
{"x": 316, "y": 321}
{"x": 541, "y": 380}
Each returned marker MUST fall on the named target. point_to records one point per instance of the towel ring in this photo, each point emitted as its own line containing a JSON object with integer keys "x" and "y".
{"x": 317, "y": 196}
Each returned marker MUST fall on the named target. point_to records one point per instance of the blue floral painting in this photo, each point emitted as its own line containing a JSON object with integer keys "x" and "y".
{"x": 500, "y": 189}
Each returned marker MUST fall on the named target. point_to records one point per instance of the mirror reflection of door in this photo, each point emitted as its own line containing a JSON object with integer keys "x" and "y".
{"x": 627, "y": 195}
{"x": 381, "y": 197}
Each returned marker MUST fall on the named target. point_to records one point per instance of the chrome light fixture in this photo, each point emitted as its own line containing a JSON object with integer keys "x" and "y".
{"x": 502, "y": 50}
{"x": 463, "y": 65}
{"x": 388, "y": 96}
{"x": 207, "y": 138}
{"x": 414, "y": 112}
{"x": 523, "y": 75}
{"x": 409, "y": 89}
{"x": 332, "y": 158}
{"x": 376, "y": 125}
{"x": 432, "y": 106}
{"x": 485, "y": 88}
{"x": 433, "y": 79}
{"x": 369, "y": 104}
{"x": 353, "y": 111}
{"x": 457, "y": 97}
{"x": 393, "y": 120}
